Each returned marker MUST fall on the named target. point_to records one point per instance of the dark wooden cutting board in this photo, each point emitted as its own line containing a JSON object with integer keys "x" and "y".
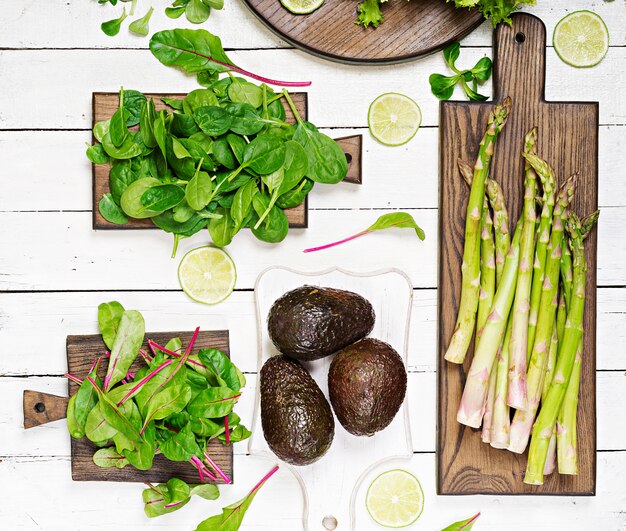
{"x": 40, "y": 408}
{"x": 105, "y": 104}
{"x": 410, "y": 29}
{"x": 568, "y": 140}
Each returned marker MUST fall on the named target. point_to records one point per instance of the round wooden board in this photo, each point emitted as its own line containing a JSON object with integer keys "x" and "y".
{"x": 410, "y": 29}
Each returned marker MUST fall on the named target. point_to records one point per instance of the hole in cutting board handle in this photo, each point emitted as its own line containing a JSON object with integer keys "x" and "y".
{"x": 40, "y": 407}
{"x": 520, "y": 37}
{"x": 330, "y": 523}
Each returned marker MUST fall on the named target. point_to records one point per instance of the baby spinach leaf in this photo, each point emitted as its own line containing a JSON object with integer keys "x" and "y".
{"x": 109, "y": 316}
{"x": 223, "y": 370}
{"x": 96, "y": 154}
{"x": 213, "y": 120}
{"x": 125, "y": 348}
{"x": 182, "y": 126}
{"x": 162, "y": 197}
{"x": 133, "y": 103}
{"x": 127, "y": 150}
{"x": 296, "y": 163}
{"x": 191, "y": 226}
{"x": 221, "y": 229}
{"x": 109, "y": 458}
{"x": 241, "y": 91}
{"x": 326, "y": 160}
{"x": 463, "y": 525}
{"x": 238, "y": 145}
{"x": 141, "y": 25}
{"x": 242, "y": 202}
{"x": 147, "y": 117}
{"x": 197, "y": 11}
{"x": 223, "y": 154}
{"x": 214, "y": 402}
{"x": 197, "y": 99}
{"x": 118, "y": 130}
{"x": 100, "y": 129}
{"x": 112, "y": 27}
{"x": 111, "y": 211}
{"x": 274, "y": 227}
{"x": 131, "y": 198}
{"x": 174, "y": 103}
{"x": 295, "y": 196}
{"x": 180, "y": 151}
{"x": 198, "y": 190}
{"x": 265, "y": 154}
{"x": 246, "y": 119}
{"x": 121, "y": 177}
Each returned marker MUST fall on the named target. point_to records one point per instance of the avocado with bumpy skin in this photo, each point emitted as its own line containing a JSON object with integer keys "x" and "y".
{"x": 367, "y": 384}
{"x": 297, "y": 421}
{"x": 309, "y": 323}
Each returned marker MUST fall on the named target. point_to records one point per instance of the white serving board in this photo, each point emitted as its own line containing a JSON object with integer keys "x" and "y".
{"x": 330, "y": 486}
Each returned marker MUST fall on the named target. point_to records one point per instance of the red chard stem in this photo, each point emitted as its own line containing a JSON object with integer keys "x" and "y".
{"x": 217, "y": 468}
{"x": 329, "y": 245}
{"x": 144, "y": 381}
{"x": 227, "y": 430}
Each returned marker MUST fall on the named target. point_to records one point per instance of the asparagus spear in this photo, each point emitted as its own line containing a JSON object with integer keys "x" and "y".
{"x": 547, "y": 380}
{"x": 567, "y": 443}
{"x": 472, "y": 406}
{"x": 490, "y": 402}
{"x": 500, "y": 224}
{"x": 542, "y": 430}
{"x": 546, "y": 175}
{"x": 516, "y": 395}
{"x": 470, "y": 269}
{"x": 501, "y": 419}
{"x": 522, "y": 423}
{"x": 561, "y": 313}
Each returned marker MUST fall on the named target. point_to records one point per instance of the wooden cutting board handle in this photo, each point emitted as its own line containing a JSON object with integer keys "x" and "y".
{"x": 520, "y": 59}
{"x": 41, "y": 408}
{"x": 352, "y": 147}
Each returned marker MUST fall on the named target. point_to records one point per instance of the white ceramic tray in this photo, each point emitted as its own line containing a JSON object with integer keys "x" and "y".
{"x": 330, "y": 486}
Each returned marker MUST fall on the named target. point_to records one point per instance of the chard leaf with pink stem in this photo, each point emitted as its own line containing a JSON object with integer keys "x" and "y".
{"x": 463, "y": 525}
{"x": 400, "y": 220}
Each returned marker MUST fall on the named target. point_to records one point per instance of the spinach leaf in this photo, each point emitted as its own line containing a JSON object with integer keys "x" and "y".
{"x": 238, "y": 145}
{"x": 265, "y": 154}
{"x": 100, "y": 129}
{"x": 133, "y": 103}
{"x": 198, "y": 190}
{"x": 125, "y": 348}
{"x": 223, "y": 154}
{"x": 96, "y": 154}
{"x": 147, "y": 116}
{"x": 246, "y": 120}
{"x": 275, "y": 226}
{"x": 296, "y": 196}
{"x": 118, "y": 130}
{"x": 109, "y": 317}
{"x": 213, "y": 120}
{"x": 165, "y": 221}
{"x": 127, "y": 150}
{"x": 131, "y": 202}
{"x": 162, "y": 197}
{"x": 182, "y": 126}
{"x": 326, "y": 160}
{"x": 111, "y": 211}
{"x": 242, "y": 202}
{"x": 174, "y": 103}
{"x": 221, "y": 229}
{"x": 241, "y": 91}
{"x": 197, "y": 99}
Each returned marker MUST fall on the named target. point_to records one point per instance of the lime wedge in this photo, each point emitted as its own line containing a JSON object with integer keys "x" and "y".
{"x": 394, "y": 119}
{"x": 301, "y": 7}
{"x": 207, "y": 275}
{"x": 581, "y": 39}
{"x": 395, "y": 499}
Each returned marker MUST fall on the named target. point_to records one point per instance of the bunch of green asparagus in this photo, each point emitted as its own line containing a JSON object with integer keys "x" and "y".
{"x": 524, "y": 296}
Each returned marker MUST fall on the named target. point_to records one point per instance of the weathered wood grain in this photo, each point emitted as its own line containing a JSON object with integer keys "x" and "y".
{"x": 568, "y": 140}
{"x": 409, "y": 29}
{"x": 41, "y": 408}
{"x": 106, "y": 103}
{"x": 81, "y": 351}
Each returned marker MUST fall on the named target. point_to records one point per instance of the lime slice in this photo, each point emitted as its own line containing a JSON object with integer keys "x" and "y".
{"x": 301, "y": 7}
{"x": 207, "y": 274}
{"x": 395, "y": 499}
{"x": 581, "y": 39}
{"x": 394, "y": 119}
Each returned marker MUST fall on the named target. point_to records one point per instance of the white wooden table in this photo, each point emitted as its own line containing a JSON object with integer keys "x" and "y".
{"x": 54, "y": 269}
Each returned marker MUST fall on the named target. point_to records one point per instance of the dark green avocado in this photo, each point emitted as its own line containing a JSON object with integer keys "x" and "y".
{"x": 309, "y": 323}
{"x": 297, "y": 421}
{"x": 367, "y": 384}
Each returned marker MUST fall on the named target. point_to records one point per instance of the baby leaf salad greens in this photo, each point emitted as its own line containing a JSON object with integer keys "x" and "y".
{"x": 224, "y": 156}
{"x": 443, "y": 86}
{"x": 174, "y": 405}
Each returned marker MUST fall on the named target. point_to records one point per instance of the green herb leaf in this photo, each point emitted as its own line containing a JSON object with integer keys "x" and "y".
{"x": 451, "y": 54}
{"x": 482, "y": 70}
{"x": 141, "y": 25}
{"x": 112, "y": 27}
{"x": 442, "y": 86}
{"x": 96, "y": 154}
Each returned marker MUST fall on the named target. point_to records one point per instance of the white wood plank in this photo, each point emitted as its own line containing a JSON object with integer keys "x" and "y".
{"x": 59, "y": 251}
{"x": 32, "y": 504}
{"x": 403, "y": 177}
{"x": 339, "y": 97}
{"x": 237, "y": 27}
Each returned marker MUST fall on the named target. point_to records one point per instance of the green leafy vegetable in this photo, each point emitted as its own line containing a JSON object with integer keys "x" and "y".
{"x": 443, "y": 86}
{"x": 109, "y": 316}
{"x": 112, "y": 27}
{"x": 141, "y": 25}
{"x": 369, "y": 13}
{"x": 128, "y": 340}
{"x": 496, "y": 10}
{"x": 463, "y": 525}
{"x": 232, "y": 516}
{"x": 109, "y": 458}
{"x": 171, "y": 496}
{"x": 400, "y": 220}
